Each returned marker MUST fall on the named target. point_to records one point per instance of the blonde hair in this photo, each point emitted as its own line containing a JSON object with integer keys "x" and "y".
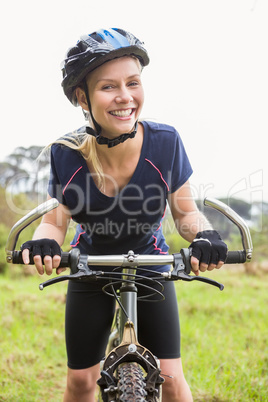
{"x": 86, "y": 145}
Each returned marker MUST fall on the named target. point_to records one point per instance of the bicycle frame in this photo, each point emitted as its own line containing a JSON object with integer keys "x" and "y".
{"x": 128, "y": 298}
{"x": 123, "y": 346}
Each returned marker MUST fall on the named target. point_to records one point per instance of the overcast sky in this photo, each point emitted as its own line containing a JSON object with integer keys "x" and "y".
{"x": 207, "y": 77}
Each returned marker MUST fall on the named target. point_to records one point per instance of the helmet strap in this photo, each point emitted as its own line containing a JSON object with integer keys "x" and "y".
{"x": 115, "y": 141}
{"x": 97, "y": 133}
{"x": 96, "y": 125}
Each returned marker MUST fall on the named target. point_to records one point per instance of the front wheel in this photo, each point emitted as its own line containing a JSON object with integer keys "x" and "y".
{"x": 131, "y": 384}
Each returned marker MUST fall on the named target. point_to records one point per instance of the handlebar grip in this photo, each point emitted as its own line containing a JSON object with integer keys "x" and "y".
{"x": 236, "y": 257}
{"x": 233, "y": 257}
{"x": 70, "y": 260}
{"x": 17, "y": 259}
{"x": 65, "y": 260}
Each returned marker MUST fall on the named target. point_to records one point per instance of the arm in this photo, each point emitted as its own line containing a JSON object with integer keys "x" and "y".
{"x": 189, "y": 221}
{"x": 54, "y": 226}
{"x": 187, "y": 217}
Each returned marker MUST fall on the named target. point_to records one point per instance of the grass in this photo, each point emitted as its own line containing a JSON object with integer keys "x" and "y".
{"x": 32, "y": 361}
{"x": 224, "y": 339}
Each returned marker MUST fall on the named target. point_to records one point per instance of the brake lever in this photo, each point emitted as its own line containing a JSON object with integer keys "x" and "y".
{"x": 181, "y": 270}
{"x": 80, "y": 275}
{"x": 84, "y": 273}
{"x": 185, "y": 277}
{"x": 61, "y": 278}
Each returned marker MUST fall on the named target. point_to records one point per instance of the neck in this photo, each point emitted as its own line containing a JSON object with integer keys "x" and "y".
{"x": 115, "y": 155}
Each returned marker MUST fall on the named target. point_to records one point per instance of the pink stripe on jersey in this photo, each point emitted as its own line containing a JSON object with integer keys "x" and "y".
{"x": 71, "y": 179}
{"x": 155, "y": 239}
{"x": 157, "y": 248}
{"x": 162, "y": 219}
{"x": 78, "y": 239}
{"x": 162, "y": 178}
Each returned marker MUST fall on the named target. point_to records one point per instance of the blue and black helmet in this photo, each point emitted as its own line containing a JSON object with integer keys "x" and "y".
{"x": 93, "y": 50}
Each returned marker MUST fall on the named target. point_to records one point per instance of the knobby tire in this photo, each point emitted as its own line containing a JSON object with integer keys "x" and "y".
{"x": 131, "y": 384}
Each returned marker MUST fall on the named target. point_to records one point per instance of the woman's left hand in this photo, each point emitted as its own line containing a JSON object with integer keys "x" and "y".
{"x": 208, "y": 251}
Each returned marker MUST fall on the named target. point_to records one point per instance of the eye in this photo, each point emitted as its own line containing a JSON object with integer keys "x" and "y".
{"x": 107, "y": 87}
{"x": 133, "y": 83}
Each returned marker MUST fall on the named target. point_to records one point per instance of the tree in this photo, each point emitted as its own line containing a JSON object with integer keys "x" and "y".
{"x": 25, "y": 170}
{"x": 9, "y": 171}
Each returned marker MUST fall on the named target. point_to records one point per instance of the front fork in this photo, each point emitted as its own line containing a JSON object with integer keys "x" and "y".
{"x": 129, "y": 349}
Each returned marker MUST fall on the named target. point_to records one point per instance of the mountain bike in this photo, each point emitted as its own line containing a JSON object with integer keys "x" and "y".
{"x": 129, "y": 371}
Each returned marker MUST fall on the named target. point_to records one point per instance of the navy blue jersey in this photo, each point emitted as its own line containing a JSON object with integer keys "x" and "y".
{"x": 132, "y": 219}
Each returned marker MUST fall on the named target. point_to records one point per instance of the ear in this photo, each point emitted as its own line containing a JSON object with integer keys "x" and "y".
{"x": 81, "y": 98}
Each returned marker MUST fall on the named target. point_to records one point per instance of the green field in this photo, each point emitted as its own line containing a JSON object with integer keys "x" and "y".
{"x": 224, "y": 338}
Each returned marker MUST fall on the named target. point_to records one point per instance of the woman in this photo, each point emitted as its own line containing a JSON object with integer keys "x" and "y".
{"x": 113, "y": 177}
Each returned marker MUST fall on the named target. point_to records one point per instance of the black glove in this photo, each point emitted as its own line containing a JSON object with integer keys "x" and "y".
{"x": 208, "y": 247}
{"x": 42, "y": 247}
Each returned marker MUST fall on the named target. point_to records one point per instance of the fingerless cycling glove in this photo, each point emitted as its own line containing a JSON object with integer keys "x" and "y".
{"x": 42, "y": 247}
{"x": 208, "y": 247}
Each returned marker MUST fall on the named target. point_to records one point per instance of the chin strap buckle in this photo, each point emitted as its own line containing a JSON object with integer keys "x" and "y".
{"x": 112, "y": 142}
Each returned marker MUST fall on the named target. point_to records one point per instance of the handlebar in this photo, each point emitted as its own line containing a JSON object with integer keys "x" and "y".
{"x": 240, "y": 223}
{"x": 79, "y": 264}
{"x": 25, "y": 221}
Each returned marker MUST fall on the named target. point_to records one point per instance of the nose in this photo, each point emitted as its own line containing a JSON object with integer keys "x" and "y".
{"x": 123, "y": 95}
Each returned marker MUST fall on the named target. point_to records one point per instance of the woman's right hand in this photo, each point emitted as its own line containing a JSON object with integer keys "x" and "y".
{"x": 44, "y": 251}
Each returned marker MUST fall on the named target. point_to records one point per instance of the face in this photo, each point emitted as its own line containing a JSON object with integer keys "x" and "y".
{"x": 116, "y": 95}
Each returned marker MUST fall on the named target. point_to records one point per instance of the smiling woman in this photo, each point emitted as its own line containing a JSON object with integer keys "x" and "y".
{"x": 114, "y": 177}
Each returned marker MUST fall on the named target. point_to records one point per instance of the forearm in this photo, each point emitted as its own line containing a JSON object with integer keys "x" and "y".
{"x": 54, "y": 225}
{"x": 187, "y": 217}
{"x": 50, "y": 231}
{"x": 191, "y": 223}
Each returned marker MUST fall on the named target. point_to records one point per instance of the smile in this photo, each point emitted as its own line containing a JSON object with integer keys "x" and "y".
{"x": 122, "y": 113}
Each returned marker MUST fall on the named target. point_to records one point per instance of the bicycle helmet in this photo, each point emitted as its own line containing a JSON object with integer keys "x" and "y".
{"x": 93, "y": 50}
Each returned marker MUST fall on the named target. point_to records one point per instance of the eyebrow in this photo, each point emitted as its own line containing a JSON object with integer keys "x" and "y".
{"x": 112, "y": 80}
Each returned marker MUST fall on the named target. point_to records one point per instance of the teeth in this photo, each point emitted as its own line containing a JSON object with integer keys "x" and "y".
{"x": 121, "y": 113}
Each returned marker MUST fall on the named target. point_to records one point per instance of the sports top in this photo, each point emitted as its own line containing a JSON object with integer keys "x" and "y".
{"x": 132, "y": 219}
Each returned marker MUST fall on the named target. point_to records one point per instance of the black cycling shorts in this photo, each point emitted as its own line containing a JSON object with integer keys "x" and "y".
{"x": 89, "y": 315}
